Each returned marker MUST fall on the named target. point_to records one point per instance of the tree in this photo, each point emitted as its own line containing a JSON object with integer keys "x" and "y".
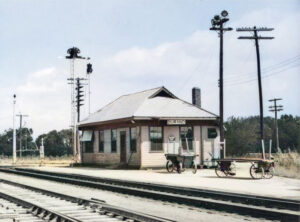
{"x": 6, "y": 141}
{"x": 242, "y": 134}
{"x": 56, "y": 143}
{"x": 289, "y": 132}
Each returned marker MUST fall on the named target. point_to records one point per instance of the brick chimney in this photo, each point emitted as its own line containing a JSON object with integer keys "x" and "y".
{"x": 196, "y": 97}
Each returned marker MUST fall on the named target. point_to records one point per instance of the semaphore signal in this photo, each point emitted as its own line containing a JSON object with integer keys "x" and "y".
{"x": 218, "y": 25}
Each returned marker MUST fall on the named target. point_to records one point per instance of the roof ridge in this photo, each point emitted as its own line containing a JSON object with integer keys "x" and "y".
{"x": 127, "y": 95}
{"x": 143, "y": 91}
{"x": 186, "y": 103}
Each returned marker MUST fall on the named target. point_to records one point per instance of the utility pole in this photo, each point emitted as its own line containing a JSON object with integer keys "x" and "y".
{"x": 255, "y": 36}
{"x": 14, "y": 132}
{"x": 276, "y": 108}
{"x": 20, "y": 131}
{"x": 218, "y": 25}
{"x": 79, "y": 92}
{"x": 73, "y": 54}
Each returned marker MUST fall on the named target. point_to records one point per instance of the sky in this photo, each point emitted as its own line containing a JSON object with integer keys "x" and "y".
{"x": 142, "y": 44}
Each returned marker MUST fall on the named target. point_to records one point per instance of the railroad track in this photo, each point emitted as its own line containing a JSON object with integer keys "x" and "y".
{"x": 20, "y": 202}
{"x": 255, "y": 206}
{"x": 10, "y": 211}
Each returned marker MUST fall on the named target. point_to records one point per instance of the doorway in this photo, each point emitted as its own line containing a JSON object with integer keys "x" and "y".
{"x": 123, "y": 147}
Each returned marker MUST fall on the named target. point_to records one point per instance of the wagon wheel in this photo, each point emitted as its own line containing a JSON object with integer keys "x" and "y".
{"x": 194, "y": 166}
{"x": 269, "y": 172}
{"x": 179, "y": 167}
{"x": 219, "y": 172}
{"x": 256, "y": 172}
{"x": 170, "y": 166}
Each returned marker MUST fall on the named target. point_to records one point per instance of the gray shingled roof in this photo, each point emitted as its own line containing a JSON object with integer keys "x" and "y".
{"x": 147, "y": 104}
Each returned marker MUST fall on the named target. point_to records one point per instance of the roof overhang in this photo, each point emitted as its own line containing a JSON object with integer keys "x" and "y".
{"x": 105, "y": 122}
{"x": 147, "y": 118}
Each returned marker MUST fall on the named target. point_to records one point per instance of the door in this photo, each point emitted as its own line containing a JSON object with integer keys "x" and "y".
{"x": 123, "y": 146}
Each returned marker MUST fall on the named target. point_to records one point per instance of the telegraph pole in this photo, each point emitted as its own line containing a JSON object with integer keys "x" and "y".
{"x": 73, "y": 54}
{"x": 255, "y": 36}
{"x": 79, "y": 92}
{"x": 14, "y": 132}
{"x": 276, "y": 108}
{"x": 20, "y": 131}
{"x": 218, "y": 25}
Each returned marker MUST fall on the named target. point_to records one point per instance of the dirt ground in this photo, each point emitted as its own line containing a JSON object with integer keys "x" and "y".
{"x": 205, "y": 178}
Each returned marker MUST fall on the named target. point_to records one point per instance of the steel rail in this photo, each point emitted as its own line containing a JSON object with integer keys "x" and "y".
{"x": 208, "y": 203}
{"x": 36, "y": 209}
{"x": 94, "y": 203}
{"x": 270, "y": 202}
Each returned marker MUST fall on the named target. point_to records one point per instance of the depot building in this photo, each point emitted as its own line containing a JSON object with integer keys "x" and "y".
{"x": 138, "y": 129}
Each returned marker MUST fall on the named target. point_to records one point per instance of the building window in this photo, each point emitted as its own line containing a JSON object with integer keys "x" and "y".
{"x": 114, "y": 141}
{"x": 187, "y": 138}
{"x": 88, "y": 141}
{"x": 156, "y": 139}
{"x": 101, "y": 141}
{"x": 89, "y": 147}
{"x": 212, "y": 133}
{"x": 133, "y": 136}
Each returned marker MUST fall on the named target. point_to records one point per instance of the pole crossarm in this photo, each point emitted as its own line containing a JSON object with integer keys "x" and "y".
{"x": 275, "y": 110}
{"x": 272, "y": 107}
{"x": 22, "y": 115}
{"x": 276, "y": 99}
{"x": 253, "y": 37}
{"x": 250, "y": 29}
{"x": 220, "y": 29}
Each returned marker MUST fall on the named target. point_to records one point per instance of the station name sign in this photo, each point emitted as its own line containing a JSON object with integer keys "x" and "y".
{"x": 176, "y": 122}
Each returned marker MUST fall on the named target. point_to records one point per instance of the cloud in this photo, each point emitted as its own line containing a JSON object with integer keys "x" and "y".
{"x": 180, "y": 65}
{"x": 194, "y": 62}
{"x": 45, "y": 98}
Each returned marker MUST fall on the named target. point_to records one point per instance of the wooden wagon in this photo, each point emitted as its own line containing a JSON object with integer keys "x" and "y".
{"x": 180, "y": 162}
{"x": 260, "y": 168}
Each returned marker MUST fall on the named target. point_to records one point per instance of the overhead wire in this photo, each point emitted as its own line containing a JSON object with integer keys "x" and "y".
{"x": 270, "y": 68}
{"x": 263, "y": 76}
{"x": 197, "y": 67}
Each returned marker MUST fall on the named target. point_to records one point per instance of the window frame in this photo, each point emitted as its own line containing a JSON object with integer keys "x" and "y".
{"x": 216, "y": 131}
{"x": 133, "y": 141}
{"x": 101, "y": 143}
{"x": 162, "y": 140}
{"x": 113, "y": 143}
{"x": 193, "y": 139}
{"x": 90, "y": 145}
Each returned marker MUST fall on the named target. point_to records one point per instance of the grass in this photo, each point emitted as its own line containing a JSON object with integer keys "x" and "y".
{"x": 35, "y": 160}
{"x": 287, "y": 164}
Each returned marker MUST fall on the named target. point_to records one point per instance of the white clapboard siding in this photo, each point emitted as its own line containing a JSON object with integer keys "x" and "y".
{"x": 197, "y": 143}
{"x": 211, "y": 146}
{"x": 96, "y": 142}
{"x": 107, "y": 141}
{"x": 150, "y": 159}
